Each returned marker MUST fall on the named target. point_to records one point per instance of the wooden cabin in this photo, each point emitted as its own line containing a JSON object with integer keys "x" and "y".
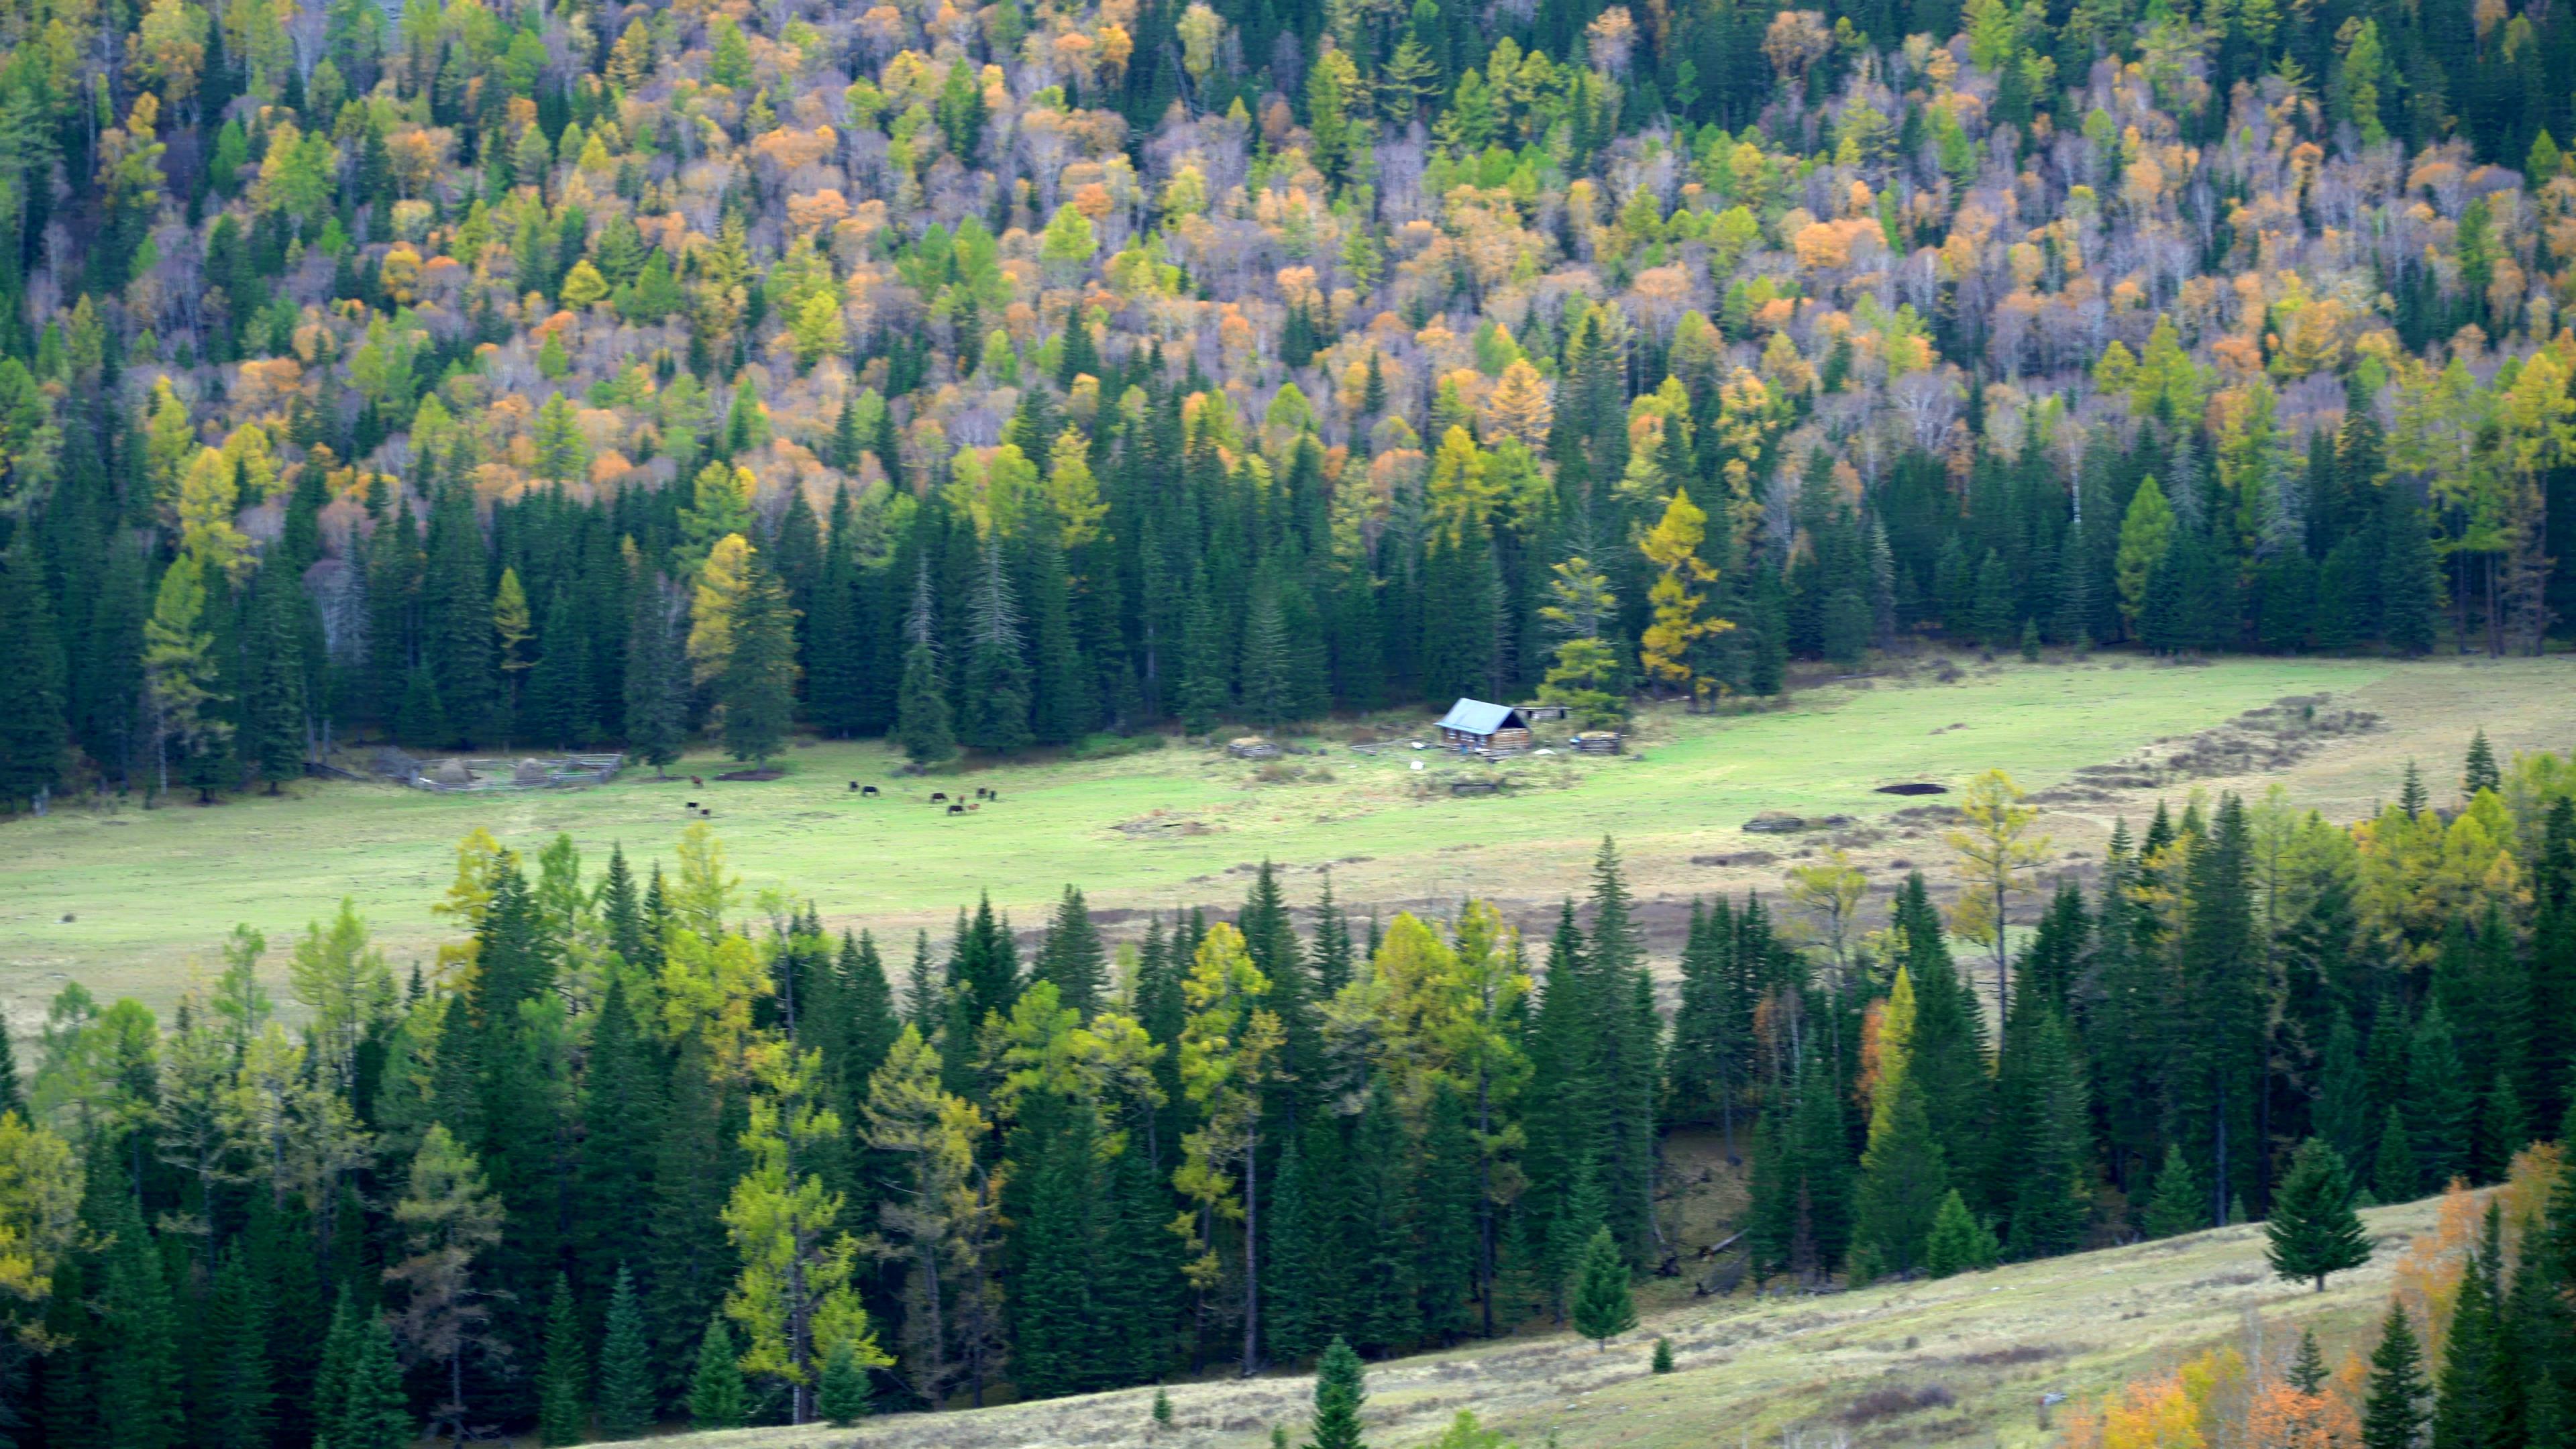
{"x": 1474, "y": 724}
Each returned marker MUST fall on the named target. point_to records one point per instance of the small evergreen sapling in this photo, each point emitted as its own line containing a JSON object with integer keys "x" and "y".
{"x": 1959, "y": 1243}
{"x": 1663, "y": 1361}
{"x": 1341, "y": 1386}
{"x": 1602, "y": 1306}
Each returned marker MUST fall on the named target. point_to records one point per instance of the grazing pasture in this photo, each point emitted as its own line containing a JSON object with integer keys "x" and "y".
{"x": 125, "y": 900}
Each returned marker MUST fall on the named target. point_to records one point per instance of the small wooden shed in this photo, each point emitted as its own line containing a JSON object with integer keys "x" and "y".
{"x": 1474, "y": 724}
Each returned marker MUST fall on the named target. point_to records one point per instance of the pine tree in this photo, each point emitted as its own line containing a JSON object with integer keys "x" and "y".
{"x": 1602, "y": 1306}
{"x": 139, "y": 1366}
{"x": 626, "y": 1394}
{"x": 1662, "y": 1362}
{"x": 716, "y": 1398}
{"x": 1958, "y": 1242}
{"x": 1072, "y": 956}
{"x": 563, "y": 1379}
{"x": 2480, "y": 772}
{"x": 331, "y": 1376}
{"x": 2313, "y": 1230}
{"x": 2441, "y": 1106}
{"x": 2394, "y": 1416}
{"x": 1341, "y": 1386}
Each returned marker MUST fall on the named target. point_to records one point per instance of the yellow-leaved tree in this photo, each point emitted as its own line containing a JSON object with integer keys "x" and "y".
{"x": 941, "y": 1215}
{"x": 794, "y": 1298}
{"x": 1672, "y": 545}
{"x": 1997, "y": 852}
{"x": 1230, "y": 1046}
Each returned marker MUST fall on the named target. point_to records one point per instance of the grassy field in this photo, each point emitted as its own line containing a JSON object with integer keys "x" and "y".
{"x": 126, "y": 900}
{"x": 1975, "y": 1352}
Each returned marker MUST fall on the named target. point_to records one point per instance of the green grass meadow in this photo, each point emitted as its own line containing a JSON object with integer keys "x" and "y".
{"x": 126, "y": 900}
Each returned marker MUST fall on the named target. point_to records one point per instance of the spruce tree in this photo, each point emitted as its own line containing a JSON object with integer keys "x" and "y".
{"x": 2308, "y": 1372}
{"x": 716, "y": 1397}
{"x": 2312, "y": 1229}
{"x": 331, "y": 1374}
{"x": 2393, "y": 1415}
{"x": 1341, "y": 1386}
{"x": 1602, "y": 1307}
{"x": 1071, "y": 955}
{"x": 996, "y": 716}
{"x": 2441, "y": 1105}
{"x": 626, "y": 1395}
{"x": 1662, "y": 1362}
{"x": 563, "y": 1379}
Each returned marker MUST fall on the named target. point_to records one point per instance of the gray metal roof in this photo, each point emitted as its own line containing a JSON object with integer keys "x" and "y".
{"x": 1476, "y": 717}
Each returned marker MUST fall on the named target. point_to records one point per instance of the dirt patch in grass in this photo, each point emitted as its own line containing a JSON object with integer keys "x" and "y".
{"x": 1160, "y": 825}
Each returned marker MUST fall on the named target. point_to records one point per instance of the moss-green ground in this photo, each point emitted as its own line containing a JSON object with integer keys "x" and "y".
{"x": 124, "y": 900}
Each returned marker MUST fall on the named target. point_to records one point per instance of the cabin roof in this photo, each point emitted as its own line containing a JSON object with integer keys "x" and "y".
{"x": 1476, "y": 717}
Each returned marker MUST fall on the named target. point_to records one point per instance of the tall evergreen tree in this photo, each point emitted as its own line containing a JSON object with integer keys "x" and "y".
{"x": 2313, "y": 1230}
{"x": 626, "y": 1395}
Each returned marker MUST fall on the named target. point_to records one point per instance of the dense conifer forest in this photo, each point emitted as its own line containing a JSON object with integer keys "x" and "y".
{"x": 632, "y": 1149}
{"x": 506, "y": 375}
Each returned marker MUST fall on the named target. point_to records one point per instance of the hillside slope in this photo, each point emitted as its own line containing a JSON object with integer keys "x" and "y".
{"x": 1975, "y": 1353}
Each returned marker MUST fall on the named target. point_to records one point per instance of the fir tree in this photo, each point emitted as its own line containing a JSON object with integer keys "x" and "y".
{"x": 1662, "y": 1362}
{"x": 759, "y": 683}
{"x": 1341, "y": 1386}
{"x": 2480, "y": 772}
{"x": 656, "y": 680}
{"x": 1958, "y": 1243}
{"x": 2180, "y": 1202}
{"x": 2395, "y": 1175}
{"x": 1602, "y": 1307}
{"x": 378, "y": 1413}
{"x": 2393, "y": 1416}
{"x": 2308, "y": 1370}
{"x": 921, "y": 707}
{"x": 842, "y": 1398}
{"x": 234, "y": 1407}
{"x": 2312, "y": 1229}
{"x": 2474, "y": 1407}
{"x": 626, "y": 1394}
{"x": 563, "y": 1379}
{"x": 1903, "y": 1181}
{"x": 716, "y": 1397}
{"x": 997, "y": 673}
{"x": 32, "y": 679}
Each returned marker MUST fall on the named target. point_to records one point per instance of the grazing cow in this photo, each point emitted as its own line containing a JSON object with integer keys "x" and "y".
{"x": 854, "y": 784}
{"x": 708, "y": 813}
{"x": 938, "y": 797}
{"x": 978, "y": 805}
{"x": 692, "y": 805}
{"x": 992, "y": 794}
{"x": 866, "y": 790}
{"x": 956, "y": 809}
{"x": 694, "y": 780}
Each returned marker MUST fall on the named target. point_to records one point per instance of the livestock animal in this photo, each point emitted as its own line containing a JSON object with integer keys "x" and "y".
{"x": 938, "y": 797}
{"x": 866, "y": 790}
{"x": 956, "y": 809}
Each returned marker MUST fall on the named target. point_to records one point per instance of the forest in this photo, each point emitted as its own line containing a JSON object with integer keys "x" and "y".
{"x": 497, "y": 376}
{"x": 631, "y": 1149}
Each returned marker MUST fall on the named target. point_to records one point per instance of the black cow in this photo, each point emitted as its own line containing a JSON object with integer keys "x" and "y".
{"x": 867, "y": 790}
{"x": 956, "y": 809}
{"x": 938, "y": 797}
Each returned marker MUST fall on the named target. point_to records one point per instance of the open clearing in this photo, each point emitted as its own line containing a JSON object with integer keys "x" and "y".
{"x": 1976, "y": 1352}
{"x": 125, "y": 901}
